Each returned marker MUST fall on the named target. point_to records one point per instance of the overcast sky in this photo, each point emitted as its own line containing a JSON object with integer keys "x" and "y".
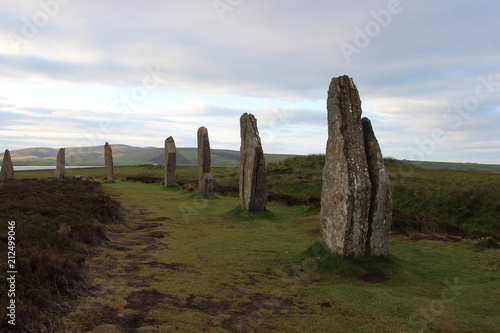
{"x": 80, "y": 73}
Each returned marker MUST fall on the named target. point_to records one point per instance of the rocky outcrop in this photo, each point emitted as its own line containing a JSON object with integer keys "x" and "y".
{"x": 7, "y": 171}
{"x": 61, "y": 163}
{"x": 108, "y": 160}
{"x": 356, "y": 203}
{"x": 253, "y": 176}
{"x": 379, "y": 220}
{"x": 170, "y": 162}
{"x": 205, "y": 182}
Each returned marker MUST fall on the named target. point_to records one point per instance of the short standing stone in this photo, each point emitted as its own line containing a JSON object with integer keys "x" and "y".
{"x": 379, "y": 221}
{"x": 253, "y": 176}
{"x": 170, "y": 161}
{"x": 346, "y": 192}
{"x": 61, "y": 163}
{"x": 108, "y": 160}
{"x": 7, "y": 170}
{"x": 205, "y": 182}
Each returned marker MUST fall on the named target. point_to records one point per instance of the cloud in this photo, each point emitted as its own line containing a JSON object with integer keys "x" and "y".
{"x": 274, "y": 59}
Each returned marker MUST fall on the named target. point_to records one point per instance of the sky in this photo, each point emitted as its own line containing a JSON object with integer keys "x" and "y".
{"x": 79, "y": 73}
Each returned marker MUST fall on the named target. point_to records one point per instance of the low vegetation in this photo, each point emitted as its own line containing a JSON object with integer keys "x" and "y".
{"x": 456, "y": 166}
{"x": 58, "y": 224}
{"x": 457, "y": 203}
{"x": 185, "y": 263}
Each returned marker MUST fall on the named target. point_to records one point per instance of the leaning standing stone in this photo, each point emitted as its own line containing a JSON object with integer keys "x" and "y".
{"x": 346, "y": 192}
{"x": 61, "y": 163}
{"x": 7, "y": 170}
{"x": 379, "y": 221}
{"x": 253, "y": 176}
{"x": 108, "y": 160}
{"x": 170, "y": 161}
{"x": 205, "y": 182}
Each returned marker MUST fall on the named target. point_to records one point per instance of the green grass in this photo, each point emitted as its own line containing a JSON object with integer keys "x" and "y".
{"x": 457, "y": 166}
{"x": 426, "y": 200}
{"x": 186, "y": 263}
{"x": 220, "y": 269}
{"x": 300, "y": 176}
{"x": 468, "y": 200}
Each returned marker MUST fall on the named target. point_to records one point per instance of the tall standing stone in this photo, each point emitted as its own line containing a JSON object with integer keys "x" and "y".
{"x": 253, "y": 176}
{"x": 346, "y": 193}
{"x": 61, "y": 163}
{"x": 379, "y": 220}
{"x": 170, "y": 161}
{"x": 7, "y": 171}
{"x": 205, "y": 182}
{"x": 108, "y": 160}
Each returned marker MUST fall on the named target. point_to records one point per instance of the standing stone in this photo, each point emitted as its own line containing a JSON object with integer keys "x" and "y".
{"x": 108, "y": 160}
{"x": 379, "y": 220}
{"x": 7, "y": 171}
{"x": 253, "y": 176}
{"x": 61, "y": 163}
{"x": 205, "y": 182}
{"x": 346, "y": 193}
{"x": 170, "y": 161}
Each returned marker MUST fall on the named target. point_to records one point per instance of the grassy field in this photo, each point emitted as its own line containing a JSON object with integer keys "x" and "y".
{"x": 460, "y": 203}
{"x": 457, "y": 166}
{"x": 185, "y": 263}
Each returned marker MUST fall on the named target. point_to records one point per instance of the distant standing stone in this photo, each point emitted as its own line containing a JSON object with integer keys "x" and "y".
{"x": 205, "y": 182}
{"x": 253, "y": 176}
{"x": 379, "y": 220}
{"x": 61, "y": 163}
{"x": 346, "y": 192}
{"x": 108, "y": 160}
{"x": 7, "y": 170}
{"x": 170, "y": 161}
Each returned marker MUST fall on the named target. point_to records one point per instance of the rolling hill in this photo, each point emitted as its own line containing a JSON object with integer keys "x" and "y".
{"x": 127, "y": 155}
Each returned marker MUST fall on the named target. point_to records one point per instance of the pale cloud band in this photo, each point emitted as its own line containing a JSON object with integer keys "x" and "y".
{"x": 81, "y": 72}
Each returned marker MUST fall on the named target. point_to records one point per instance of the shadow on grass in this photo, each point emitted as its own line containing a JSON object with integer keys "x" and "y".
{"x": 242, "y": 214}
{"x": 372, "y": 269}
{"x": 173, "y": 188}
{"x": 202, "y": 196}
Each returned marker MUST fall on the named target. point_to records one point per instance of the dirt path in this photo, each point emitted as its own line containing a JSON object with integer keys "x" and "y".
{"x": 122, "y": 274}
{"x": 161, "y": 272}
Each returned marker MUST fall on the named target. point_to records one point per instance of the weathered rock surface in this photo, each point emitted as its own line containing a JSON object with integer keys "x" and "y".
{"x": 379, "y": 220}
{"x": 253, "y": 176}
{"x": 170, "y": 161}
{"x": 7, "y": 171}
{"x": 61, "y": 163}
{"x": 205, "y": 182}
{"x": 346, "y": 191}
{"x": 108, "y": 160}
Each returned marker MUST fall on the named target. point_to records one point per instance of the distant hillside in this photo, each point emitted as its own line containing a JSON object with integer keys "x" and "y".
{"x": 456, "y": 166}
{"x": 127, "y": 155}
